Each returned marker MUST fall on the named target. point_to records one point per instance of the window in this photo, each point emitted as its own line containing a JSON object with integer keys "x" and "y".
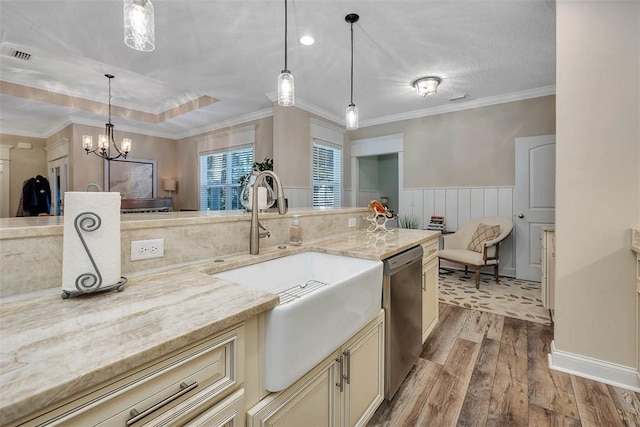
{"x": 219, "y": 175}
{"x": 327, "y": 173}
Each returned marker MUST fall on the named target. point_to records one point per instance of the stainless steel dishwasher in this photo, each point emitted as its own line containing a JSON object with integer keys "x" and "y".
{"x": 402, "y": 303}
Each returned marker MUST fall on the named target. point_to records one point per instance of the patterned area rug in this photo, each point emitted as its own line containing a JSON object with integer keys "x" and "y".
{"x": 511, "y": 297}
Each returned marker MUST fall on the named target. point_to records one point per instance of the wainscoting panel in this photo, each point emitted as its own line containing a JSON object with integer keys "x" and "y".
{"x": 458, "y": 206}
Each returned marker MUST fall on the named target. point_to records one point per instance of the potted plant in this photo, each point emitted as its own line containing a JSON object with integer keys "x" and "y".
{"x": 265, "y": 165}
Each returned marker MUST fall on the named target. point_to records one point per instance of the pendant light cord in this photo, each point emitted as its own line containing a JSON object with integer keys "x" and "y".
{"x": 352, "y": 63}
{"x": 109, "y": 78}
{"x": 285, "y": 34}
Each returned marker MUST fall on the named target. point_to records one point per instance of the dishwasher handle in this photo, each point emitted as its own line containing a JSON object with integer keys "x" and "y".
{"x": 402, "y": 260}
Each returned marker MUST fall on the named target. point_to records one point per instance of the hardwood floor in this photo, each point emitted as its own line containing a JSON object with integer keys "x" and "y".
{"x": 482, "y": 369}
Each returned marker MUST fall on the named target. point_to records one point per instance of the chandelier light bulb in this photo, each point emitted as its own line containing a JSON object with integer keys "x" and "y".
{"x": 87, "y": 142}
{"x": 103, "y": 142}
{"x": 125, "y": 146}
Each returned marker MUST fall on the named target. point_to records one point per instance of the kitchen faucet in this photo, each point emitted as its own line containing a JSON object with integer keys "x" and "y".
{"x": 256, "y": 233}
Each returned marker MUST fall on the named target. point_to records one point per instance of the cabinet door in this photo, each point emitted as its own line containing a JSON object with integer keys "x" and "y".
{"x": 228, "y": 413}
{"x": 311, "y": 401}
{"x": 430, "y": 309}
{"x": 363, "y": 373}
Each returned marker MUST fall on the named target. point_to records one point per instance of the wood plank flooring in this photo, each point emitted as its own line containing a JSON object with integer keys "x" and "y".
{"x": 482, "y": 369}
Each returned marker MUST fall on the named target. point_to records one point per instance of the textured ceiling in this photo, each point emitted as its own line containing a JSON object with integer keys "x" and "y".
{"x": 233, "y": 51}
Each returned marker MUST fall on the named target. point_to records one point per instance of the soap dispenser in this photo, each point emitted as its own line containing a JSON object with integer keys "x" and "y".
{"x": 295, "y": 232}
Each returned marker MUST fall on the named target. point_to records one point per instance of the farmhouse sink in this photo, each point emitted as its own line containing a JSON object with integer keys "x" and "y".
{"x": 324, "y": 300}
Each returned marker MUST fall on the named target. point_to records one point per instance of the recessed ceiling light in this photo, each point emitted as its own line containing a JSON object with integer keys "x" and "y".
{"x": 307, "y": 40}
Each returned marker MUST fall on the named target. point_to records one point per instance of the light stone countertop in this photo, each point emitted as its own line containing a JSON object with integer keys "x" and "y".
{"x": 53, "y": 348}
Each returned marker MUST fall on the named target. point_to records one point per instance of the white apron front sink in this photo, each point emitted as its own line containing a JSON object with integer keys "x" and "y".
{"x": 324, "y": 300}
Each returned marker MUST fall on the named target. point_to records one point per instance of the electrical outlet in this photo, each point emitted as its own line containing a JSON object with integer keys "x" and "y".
{"x": 352, "y": 222}
{"x": 146, "y": 249}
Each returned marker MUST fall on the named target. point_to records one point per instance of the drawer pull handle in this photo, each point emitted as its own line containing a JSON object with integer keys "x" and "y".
{"x": 137, "y": 416}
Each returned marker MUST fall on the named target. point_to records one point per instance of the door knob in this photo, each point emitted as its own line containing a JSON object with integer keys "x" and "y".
{"x": 520, "y": 216}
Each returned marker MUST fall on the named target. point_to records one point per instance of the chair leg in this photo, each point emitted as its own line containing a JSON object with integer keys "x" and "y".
{"x": 477, "y": 277}
{"x": 495, "y": 270}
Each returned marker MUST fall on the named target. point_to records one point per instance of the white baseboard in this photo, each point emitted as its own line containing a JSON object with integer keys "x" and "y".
{"x": 594, "y": 369}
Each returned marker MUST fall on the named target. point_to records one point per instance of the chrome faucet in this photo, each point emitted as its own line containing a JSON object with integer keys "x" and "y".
{"x": 256, "y": 227}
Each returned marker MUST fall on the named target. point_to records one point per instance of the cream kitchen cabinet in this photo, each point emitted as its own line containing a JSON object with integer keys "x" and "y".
{"x": 430, "y": 308}
{"x": 343, "y": 390}
{"x": 168, "y": 392}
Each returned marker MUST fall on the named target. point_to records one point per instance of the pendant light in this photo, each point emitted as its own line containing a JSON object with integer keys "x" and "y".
{"x": 286, "y": 88}
{"x": 139, "y": 25}
{"x": 352, "y": 110}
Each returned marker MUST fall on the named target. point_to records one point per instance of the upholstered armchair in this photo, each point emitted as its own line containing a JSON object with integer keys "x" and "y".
{"x": 477, "y": 244}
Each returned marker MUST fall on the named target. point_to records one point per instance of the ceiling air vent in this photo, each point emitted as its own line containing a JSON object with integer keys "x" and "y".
{"x": 19, "y": 54}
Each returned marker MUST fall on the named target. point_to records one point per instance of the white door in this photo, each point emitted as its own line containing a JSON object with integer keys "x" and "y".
{"x": 534, "y": 201}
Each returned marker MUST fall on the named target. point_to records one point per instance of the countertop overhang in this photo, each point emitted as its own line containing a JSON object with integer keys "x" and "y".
{"x": 54, "y": 348}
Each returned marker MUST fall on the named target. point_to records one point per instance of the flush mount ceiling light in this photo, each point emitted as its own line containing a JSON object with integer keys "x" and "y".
{"x": 352, "y": 110}
{"x": 286, "y": 88}
{"x": 106, "y": 140}
{"x": 139, "y": 27}
{"x": 426, "y": 85}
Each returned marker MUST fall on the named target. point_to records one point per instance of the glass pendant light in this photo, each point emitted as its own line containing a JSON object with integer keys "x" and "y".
{"x": 286, "y": 88}
{"x": 352, "y": 111}
{"x": 139, "y": 26}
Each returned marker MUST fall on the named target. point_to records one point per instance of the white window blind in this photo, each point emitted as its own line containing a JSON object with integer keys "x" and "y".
{"x": 327, "y": 174}
{"x": 219, "y": 175}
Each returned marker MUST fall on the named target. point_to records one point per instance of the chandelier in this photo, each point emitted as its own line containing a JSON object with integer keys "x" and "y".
{"x": 352, "y": 110}
{"x": 106, "y": 140}
{"x": 139, "y": 27}
{"x": 286, "y": 88}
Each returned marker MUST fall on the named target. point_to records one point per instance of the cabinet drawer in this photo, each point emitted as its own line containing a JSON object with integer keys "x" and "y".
{"x": 430, "y": 249}
{"x": 204, "y": 372}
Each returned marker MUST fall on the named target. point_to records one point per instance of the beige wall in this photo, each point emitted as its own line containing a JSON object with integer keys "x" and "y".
{"x": 468, "y": 148}
{"x": 597, "y": 178}
{"x": 89, "y": 168}
{"x": 292, "y": 146}
{"x": 24, "y": 165}
{"x": 187, "y": 163}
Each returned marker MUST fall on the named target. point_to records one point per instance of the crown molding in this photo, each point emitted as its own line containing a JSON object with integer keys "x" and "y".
{"x": 256, "y": 115}
{"x": 459, "y": 106}
{"x": 309, "y": 107}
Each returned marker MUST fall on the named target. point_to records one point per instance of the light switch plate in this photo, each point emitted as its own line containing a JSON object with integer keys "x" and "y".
{"x": 352, "y": 222}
